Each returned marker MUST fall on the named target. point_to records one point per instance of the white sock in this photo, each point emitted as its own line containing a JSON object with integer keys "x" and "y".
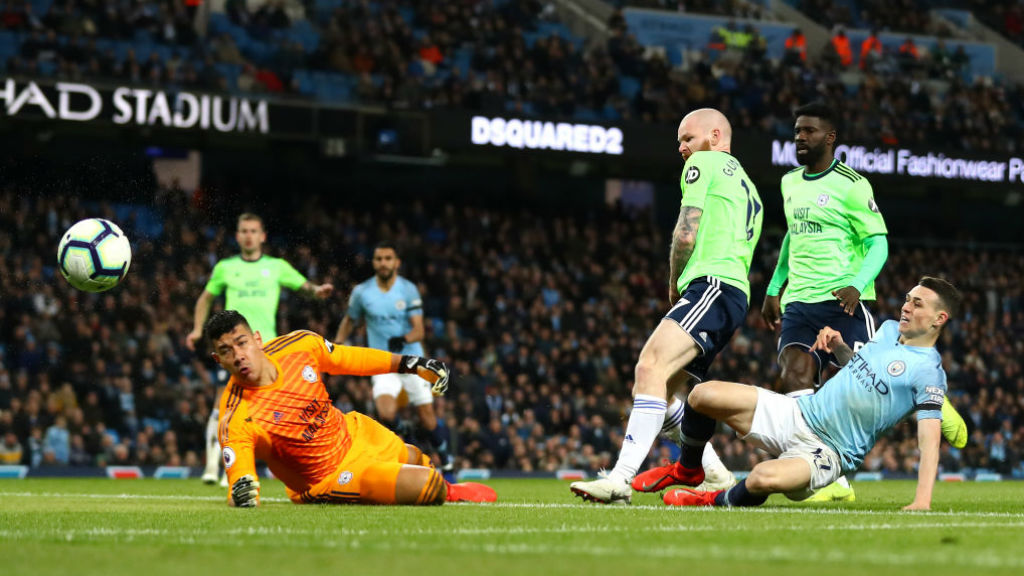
{"x": 799, "y": 393}
{"x": 212, "y": 444}
{"x": 710, "y": 460}
{"x": 645, "y": 423}
{"x": 673, "y": 417}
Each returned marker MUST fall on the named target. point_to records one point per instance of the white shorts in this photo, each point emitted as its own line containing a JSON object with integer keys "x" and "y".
{"x": 780, "y": 430}
{"x": 416, "y": 388}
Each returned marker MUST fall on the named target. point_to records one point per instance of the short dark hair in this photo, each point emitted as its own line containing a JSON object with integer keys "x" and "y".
{"x": 386, "y": 245}
{"x": 949, "y": 297}
{"x": 820, "y": 110}
{"x": 250, "y": 217}
{"x": 220, "y": 323}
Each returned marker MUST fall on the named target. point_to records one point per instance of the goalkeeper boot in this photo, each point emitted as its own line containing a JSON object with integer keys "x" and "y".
{"x": 657, "y": 479}
{"x": 954, "y": 429}
{"x": 608, "y": 489}
{"x": 471, "y": 492}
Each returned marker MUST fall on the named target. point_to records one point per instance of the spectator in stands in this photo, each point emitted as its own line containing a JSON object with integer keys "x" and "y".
{"x": 908, "y": 55}
{"x": 841, "y": 44}
{"x": 871, "y": 51}
{"x": 10, "y": 450}
{"x": 796, "y": 49}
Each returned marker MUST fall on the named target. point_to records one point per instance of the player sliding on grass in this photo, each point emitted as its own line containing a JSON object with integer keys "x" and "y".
{"x": 816, "y": 438}
{"x": 275, "y": 408}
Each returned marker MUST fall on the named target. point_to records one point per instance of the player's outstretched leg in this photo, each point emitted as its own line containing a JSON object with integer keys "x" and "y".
{"x": 716, "y": 475}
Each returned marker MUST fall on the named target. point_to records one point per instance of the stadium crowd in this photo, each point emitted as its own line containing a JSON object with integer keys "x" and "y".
{"x": 491, "y": 57}
{"x": 540, "y": 319}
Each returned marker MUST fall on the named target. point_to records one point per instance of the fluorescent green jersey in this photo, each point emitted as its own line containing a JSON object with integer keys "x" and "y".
{"x": 731, "y": 221}
{"x": 254, "y": 288}
{"x": 829, "y": 215}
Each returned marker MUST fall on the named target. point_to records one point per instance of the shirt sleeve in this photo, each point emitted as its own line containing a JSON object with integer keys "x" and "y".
{"x": 697, "y": 175}
{"x": 355, "y": 304}
{"x": 237, "y": 440}
{"x": 415, "y": 306}
{"x": 288, "y": 276}
{"x": 218, "y": 281}
{"x": 929, "y": 392}
{"x": 352, "y": 360}
{"x": 863, "y": 212}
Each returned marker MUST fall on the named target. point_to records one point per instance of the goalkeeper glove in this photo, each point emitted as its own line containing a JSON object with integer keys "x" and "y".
{"x": 245, "y": 492}
{"x": 396, "y": 344}
{"x": 433, "y": 371}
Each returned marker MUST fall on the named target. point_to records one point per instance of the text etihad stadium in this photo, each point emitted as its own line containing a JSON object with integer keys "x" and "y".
{"x": 83, "y": 103}
{"x": 537, "y": 135}
{"x": 903, "y": 162}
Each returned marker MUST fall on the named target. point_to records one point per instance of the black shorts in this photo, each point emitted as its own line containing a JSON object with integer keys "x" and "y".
{"x": 709, "y": 311}
{"x": 802, "y": 321}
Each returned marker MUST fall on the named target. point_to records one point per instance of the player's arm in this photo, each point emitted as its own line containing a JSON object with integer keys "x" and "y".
{"x": 345, "y": 329}
{"x": 771, "y": 310}
{"x": 684, "y": 240}
{"x": 294, "y": 280}
{"x": 318, "y": 291}
{"x": 359, "y": 361}
{"x": 929, "y": 433}
{"x": 831, "y": 341}
{"x": 238, "y": 452}
{"x": 867, "y": 222}
{"x": 199, "y": 316}
{"x": 414, "y": 312}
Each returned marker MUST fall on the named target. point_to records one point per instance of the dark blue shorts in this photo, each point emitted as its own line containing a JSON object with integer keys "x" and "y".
{"x": 710, "y": 311}
{"x": 801, "y": 323}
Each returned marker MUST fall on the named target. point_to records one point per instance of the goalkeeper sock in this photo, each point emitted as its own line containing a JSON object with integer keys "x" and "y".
{"x": 645, "y": 422}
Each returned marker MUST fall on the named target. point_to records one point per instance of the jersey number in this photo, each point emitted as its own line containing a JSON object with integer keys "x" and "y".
{"x": 753, "y": 209}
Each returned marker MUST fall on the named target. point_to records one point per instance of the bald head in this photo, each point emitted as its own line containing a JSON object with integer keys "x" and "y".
{"x": 702, "y": 130}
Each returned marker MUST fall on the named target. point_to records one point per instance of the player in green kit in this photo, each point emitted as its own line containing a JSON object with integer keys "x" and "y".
{"x": 712, "y": 247}
{"x": 251, "y": 284}
{"x": 833, "y": 251}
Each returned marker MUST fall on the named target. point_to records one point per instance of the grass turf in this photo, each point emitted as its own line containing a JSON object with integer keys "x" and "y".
{"x": 156, "y": 527}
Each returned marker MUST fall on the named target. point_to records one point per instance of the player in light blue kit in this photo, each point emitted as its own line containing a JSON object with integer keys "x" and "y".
{"x": 393, "y": 311}
{"x": 816, "y": 438}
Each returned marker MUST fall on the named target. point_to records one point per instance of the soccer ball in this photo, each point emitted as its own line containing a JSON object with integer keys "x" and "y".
{"x": 94, "y": 255}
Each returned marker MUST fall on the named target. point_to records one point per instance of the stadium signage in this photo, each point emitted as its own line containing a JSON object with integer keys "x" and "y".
{"x": 904, "y": 162}
{"x": 140, "y": 106}
{"x": 537, "y": 135}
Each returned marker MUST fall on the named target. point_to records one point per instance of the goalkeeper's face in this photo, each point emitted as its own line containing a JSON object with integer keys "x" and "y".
{"x": 240, "y": 352}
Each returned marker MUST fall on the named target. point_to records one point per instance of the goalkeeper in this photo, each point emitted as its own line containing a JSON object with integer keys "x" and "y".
{"x": 276, "y": 409}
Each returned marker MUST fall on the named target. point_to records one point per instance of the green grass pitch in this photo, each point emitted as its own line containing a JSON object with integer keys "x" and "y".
{"x": 180, "y": 527}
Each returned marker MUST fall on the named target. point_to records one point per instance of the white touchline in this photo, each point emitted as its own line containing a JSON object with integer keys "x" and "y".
{"x": 569, "y": 505}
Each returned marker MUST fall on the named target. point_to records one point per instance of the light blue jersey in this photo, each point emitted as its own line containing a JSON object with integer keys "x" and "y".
{"x": 879, "y": 386}
{"x": 387, "y": 313}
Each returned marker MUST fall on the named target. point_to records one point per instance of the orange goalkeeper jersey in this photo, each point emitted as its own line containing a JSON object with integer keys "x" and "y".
{"x": 291, "y": 424}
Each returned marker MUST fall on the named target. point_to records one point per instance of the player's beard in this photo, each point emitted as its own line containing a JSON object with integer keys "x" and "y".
{"x": 812, "y": 156}
{"x": 385, "y": 276}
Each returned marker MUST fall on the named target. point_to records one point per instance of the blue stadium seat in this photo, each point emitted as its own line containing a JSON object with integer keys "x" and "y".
{"x": 629, "y": 86}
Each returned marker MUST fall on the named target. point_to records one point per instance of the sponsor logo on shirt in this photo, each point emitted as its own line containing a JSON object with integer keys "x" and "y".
{"x": 277, "y": 416}
{"x": 692, "y": 174}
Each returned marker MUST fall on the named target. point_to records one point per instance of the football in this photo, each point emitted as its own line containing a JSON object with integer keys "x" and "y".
{"x": 94, "y": 255}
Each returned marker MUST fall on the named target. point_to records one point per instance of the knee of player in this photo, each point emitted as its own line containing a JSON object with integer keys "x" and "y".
{"x": 700, "y": 395}
{"x": 762, "y": 480}
{"x": 647, "y": 375}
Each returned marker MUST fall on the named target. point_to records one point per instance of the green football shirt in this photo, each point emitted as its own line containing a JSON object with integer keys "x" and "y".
{"x": 254, "y": 289}
{"x": 828, "y": 216}
{"x": 731, "y": 221}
